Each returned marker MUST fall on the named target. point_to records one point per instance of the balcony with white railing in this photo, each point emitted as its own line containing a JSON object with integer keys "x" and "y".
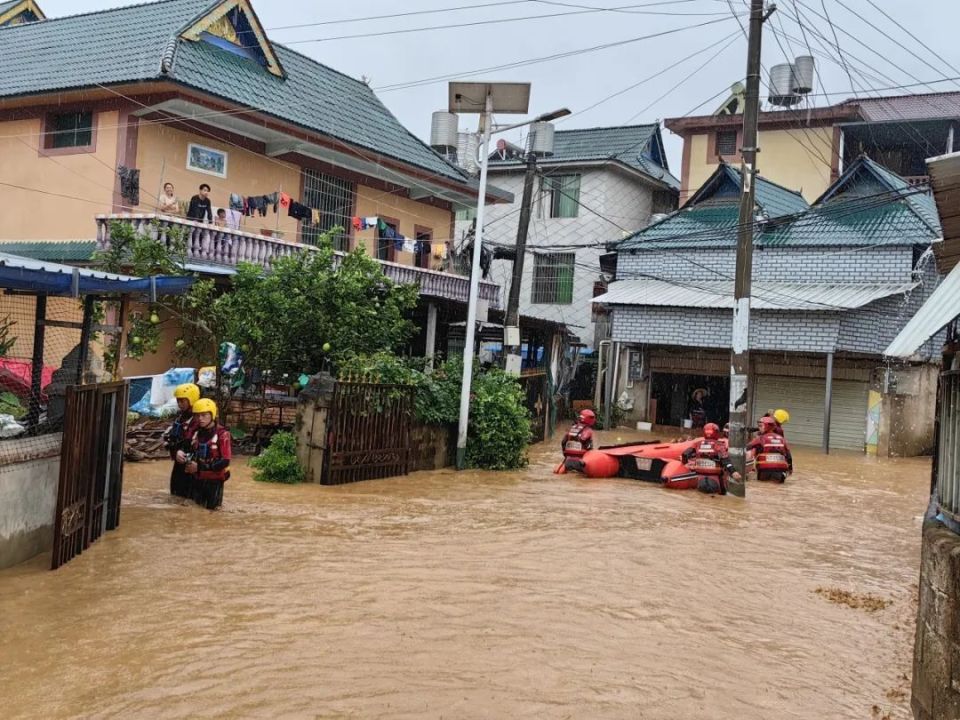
{"x": 225, "y": 248}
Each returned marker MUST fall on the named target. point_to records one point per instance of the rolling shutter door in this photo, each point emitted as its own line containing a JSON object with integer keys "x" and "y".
{"x": 804, "y": 397}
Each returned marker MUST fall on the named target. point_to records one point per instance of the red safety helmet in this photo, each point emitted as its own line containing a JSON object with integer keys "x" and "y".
{"x": 588, "y": 417}
{"x": 767, "y": 424}
{"x": 711, "y": 431}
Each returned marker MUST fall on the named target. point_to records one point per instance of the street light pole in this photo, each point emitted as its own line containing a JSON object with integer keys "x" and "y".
{"x": 740, "y": 346}
{"x": 467, "y": 382}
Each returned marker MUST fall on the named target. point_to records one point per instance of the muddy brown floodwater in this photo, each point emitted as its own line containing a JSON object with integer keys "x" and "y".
{"x": 500, "y": 595}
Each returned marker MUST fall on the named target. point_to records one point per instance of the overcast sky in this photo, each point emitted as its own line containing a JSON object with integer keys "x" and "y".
{"x": 580, "y": 81}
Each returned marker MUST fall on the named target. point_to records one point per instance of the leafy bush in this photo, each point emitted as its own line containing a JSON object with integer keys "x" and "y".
{"x": 499, "y": 423}
{"x": 278, "y": 463}
{"x": 10, "y": 405}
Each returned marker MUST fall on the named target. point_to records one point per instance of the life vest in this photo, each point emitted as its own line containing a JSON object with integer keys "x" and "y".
{"x": 707, "y": 457}
{"x": 771, "y": 452}
{"x": 208, "y": 447}
{"x": 182, "y": 430}
{"x": 577, "y": 441}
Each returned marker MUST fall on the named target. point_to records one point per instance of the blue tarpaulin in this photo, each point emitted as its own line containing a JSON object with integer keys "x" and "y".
{"x": 20, "y": 273}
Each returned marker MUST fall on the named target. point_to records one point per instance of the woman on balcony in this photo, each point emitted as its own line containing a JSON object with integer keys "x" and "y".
{"x": 168, "y": 203}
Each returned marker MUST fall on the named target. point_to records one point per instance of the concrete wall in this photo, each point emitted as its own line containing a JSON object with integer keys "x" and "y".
{"x": 28, "y": 504}
{"x": 73, "y": 188}
{"x": 796, "y": 158}
{"x": 936, "y": 659}
{"x": 907, "y": 414}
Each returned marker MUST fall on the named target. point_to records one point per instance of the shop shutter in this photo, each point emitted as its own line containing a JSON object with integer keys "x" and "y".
{"x": 804, "y": 398}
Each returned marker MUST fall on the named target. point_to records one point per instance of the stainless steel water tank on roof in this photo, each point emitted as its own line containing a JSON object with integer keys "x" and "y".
{"x": 803, "y": 68}
{"x": 443, "y": 130}
{"x": 781, "y": 85}
{"x": 540, "y": 140}
{"x": 467, "y": 149}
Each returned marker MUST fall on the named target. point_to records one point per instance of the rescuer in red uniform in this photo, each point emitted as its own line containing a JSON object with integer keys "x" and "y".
{"x": 579, "y": 437}
{"x": 769, "y": 426}
{"x": 178, "y": 436}
{"x": 210, "y": 456}
{"x": 712, "y": 447}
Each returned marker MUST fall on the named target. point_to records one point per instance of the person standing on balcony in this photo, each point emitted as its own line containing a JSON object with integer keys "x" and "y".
{"x": 168, "y": 203}
{"x": 200, "y": 208}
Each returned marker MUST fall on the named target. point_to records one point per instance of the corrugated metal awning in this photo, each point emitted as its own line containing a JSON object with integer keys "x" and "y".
{"x": 41, "y": 277}
{"x": 945, "y": 179}
{"x": 939, "y": 309}
{"x": 766, "y": 295}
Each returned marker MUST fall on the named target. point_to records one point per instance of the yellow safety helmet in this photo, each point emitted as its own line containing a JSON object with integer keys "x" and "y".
{"x": 205, "y": 405}
{"x": 782, "y": 416}
{"x": 189, "y": 391}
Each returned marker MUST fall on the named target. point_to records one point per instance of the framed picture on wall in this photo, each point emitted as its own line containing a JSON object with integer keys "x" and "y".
{"x": 206, "y": 160}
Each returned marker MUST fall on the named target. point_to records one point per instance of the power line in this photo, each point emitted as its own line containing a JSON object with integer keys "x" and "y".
{"x": 915, "y": 38}
{"x": 494, "y": 21}
{"x": 545, "y": 58}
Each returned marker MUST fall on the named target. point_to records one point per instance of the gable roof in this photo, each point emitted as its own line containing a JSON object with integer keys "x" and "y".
{"x": 890, "y": 212}
{"x": 143, "y": 43}
{"x": 773, "y": 199}
{"x": 639, "y": 147}
{"x": 15, "y": 8}
{"x": 897, "y": 108}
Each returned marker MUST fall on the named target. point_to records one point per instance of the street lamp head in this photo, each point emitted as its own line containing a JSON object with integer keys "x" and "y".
{"x": 556, "y": 114}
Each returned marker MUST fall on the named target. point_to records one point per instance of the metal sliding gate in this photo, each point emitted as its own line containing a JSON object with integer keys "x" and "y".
{"x": 369, "y": 432}
{"x": 91, "y": 467}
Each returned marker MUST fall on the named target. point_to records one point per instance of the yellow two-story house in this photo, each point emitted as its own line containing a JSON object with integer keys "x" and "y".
{"x": 127, "y": 112}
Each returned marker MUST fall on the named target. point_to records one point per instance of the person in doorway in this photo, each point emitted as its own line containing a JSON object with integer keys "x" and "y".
{"x": 210, "y": 461}
{"x": 200, "y": 208}
{"x": 178, "y": 438}
{"x": 697, "y": 410}
{"x": 168, "y": 203}
{"x": 221, "y": 220}
{"x": 712, "y": 447}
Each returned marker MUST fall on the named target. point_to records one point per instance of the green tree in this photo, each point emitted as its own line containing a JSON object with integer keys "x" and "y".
{"x": 314, "y": 307}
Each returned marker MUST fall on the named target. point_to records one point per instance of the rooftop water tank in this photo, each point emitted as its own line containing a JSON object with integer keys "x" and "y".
{"x": 803, "y": 69}
{"x": 467, "y": 148}
{"x": 781, "y": 86}
{"x": 540, "y": 139}
{"x": 443, "y": 131}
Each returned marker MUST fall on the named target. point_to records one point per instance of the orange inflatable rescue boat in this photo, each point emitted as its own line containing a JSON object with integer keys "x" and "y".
{"x": 652, "y": 461}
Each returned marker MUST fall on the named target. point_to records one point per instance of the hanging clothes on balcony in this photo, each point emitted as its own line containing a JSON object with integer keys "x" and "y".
{"x": 299, "y": 211}
{"x": 237, "y": 202}
{"x": 129, "y": 184}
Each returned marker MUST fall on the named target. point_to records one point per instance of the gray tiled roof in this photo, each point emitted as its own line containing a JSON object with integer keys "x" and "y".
{"x": 629, "y": 144}
{"x": 128, "y": 44}
{"x": 863, "y": 208}
{"x": 4, "y": 6}
{"x": 927, "y": 106}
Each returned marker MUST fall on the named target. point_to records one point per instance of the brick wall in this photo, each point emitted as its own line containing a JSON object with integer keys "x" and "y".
{"x": 704, "y": 327}
{"x": 782, "y": 264}
{"x": 936, "y": 656}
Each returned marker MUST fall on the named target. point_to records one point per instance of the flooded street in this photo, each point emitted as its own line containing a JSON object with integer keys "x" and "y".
{"x": 511, "y": 595}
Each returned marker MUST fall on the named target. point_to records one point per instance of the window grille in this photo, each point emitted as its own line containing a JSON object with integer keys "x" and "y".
{"x": 553, "y": 279}
{"x": 334, "y": 198}
{"x": 726, "y": 142}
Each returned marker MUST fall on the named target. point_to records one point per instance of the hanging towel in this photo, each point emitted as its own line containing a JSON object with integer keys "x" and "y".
{"x": 284, "y": 200}
{"x": 370, "y": 221}
{"x": 234, "y": 217}
{"x": 409, "y": 246}
{"x": 298, "y": 211}
{"x": 356, "y": 223}
{"x": 315, "y": 216}
{"x": 129, "y": 184}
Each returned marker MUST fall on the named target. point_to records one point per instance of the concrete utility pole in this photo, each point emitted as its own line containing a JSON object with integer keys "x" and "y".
{"x": 511, "y": 330}
{"x": 740, "y": 357}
